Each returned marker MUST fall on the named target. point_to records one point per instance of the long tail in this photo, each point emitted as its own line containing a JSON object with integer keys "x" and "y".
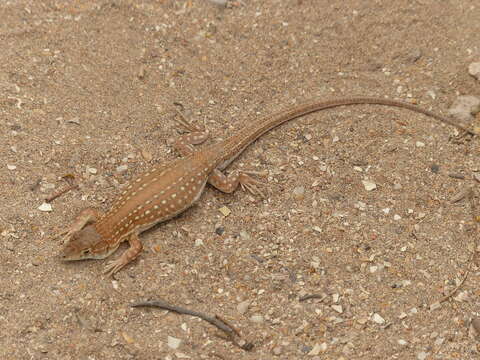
{"x": 235, "y": 144}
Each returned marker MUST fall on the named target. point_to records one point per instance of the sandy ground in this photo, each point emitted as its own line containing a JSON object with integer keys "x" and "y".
{"x": 87, "y": 90}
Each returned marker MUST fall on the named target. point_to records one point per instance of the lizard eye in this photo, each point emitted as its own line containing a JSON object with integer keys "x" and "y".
{"x": 86, "y": 251}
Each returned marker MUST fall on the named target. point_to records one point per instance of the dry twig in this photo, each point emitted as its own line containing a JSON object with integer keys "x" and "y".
{"x": 471, "y": 197}
{"x": 221, "y": 324}
{"x": 60, "y": 193}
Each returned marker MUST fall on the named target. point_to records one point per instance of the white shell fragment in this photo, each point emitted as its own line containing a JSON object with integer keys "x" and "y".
{"x": 46, "y": 207}
{"x": 369, "y": 185}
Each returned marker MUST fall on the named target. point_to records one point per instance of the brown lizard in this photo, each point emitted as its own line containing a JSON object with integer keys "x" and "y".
{"x": 169, "y": 189}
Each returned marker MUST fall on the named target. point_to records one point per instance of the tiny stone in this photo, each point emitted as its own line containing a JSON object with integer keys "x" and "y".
{"x": 462, "y": 296}
{"x": 317, "y": 229}
{"x": 243, "y": 307}
{"x": 277, "y": 350}
{"x": 420, "y": 144}
{"x": 173, "y": 343}
{"x": 476, "y": 325}
{"x": 369, "y": 185}
{"x": 422, "y": 355}
{"x": 257, "y": 319}
{"x": 316, "y": 350}
{"x": 45, "y": 207}
{"x": 147, "y": 156}
{"x": 244, "y": 235}
{"x": 225, "y": 211}
{"x": 198, "y": 242}
{"x": 115, "y": 284}
{"x": 11, "y": 167}
{"x": 378, "y": 319}
{"x": 436, "y": 305}
{"x": 299, "y": 193}
{"x": 338, "y": 308}
{"x": 402, "y": 316}
{"x": 474, "y": 70}
{"x": 122, "y": 168}
{"x": 439, "y": 341}
{"x": 397, "y": 217}
{"x": 92, "y": 171}
{"x": 435, "y": 168}
{"x": 219, "y": 230}
{"x": 402, "y": 342}
{"x": 464, "y": 107}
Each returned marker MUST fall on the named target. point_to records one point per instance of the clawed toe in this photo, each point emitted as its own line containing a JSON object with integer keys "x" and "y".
{"x": 187, "y": 127}
{"x": 113, "y": 267}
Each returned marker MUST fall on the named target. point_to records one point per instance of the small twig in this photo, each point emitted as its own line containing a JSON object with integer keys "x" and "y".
{"x": 471, "y": 196}
{"x": 312, "y": 296}
{"x": 454, "y": 291}
{"x": 60, "y": 193}
{"x": 457, "y": 176}
{"x": 216, "y": 321}
{"x": 228, "y": 324}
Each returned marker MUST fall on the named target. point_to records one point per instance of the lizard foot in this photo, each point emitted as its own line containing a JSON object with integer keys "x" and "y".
{"x": 250, "y": 184}
{"x": 114, "y": 266}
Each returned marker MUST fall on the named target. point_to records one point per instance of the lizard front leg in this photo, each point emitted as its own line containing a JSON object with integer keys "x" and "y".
{"x": 194, "y": 135}
{"x": 129, "y": 255}
{"x": 86, "y": 216}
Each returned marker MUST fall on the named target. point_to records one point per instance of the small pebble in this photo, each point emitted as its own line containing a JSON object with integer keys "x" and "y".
{"x": 198, "y": 242}
{"x": 45, "y": 207}
{"x": 474, "y": 70}
{"x": 92, "y": 171}
{"x": 244, "y": 235}
{"x": 397, "y": 217}
{"x": 225, "y": 211}
{"x": 378, "y": 319}
{"x": 299, "y": 193}
{"x": 402, "y": 342}
{"x": 277, "y": 350}
{"x": 369, "y": 185}
{"x": 173, "y": 343}
{"x": 317, "y": 349}
{"x": 422, "y": 355}
{"x": 219, "y": 230}
{"x": 420, "y": 144}
{"x": 464, "y": 107}
{"x": 243, "y": 307}
{"x": 11, "y": 167}
{"x": 122, "y": 168}
{"x": 257, "y": 319}
{"x": 338, "y": 308}
{"x": 476, "y": 325}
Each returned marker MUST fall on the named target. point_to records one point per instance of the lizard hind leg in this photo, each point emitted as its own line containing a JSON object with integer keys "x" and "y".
{"x": 192, "y": 135}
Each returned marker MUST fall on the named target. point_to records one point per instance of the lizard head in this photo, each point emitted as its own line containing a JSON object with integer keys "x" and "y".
{"x": 85, "y": 244}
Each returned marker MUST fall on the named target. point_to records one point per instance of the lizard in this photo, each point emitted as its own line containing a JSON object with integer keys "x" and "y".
{"x": 166, "y": 190}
